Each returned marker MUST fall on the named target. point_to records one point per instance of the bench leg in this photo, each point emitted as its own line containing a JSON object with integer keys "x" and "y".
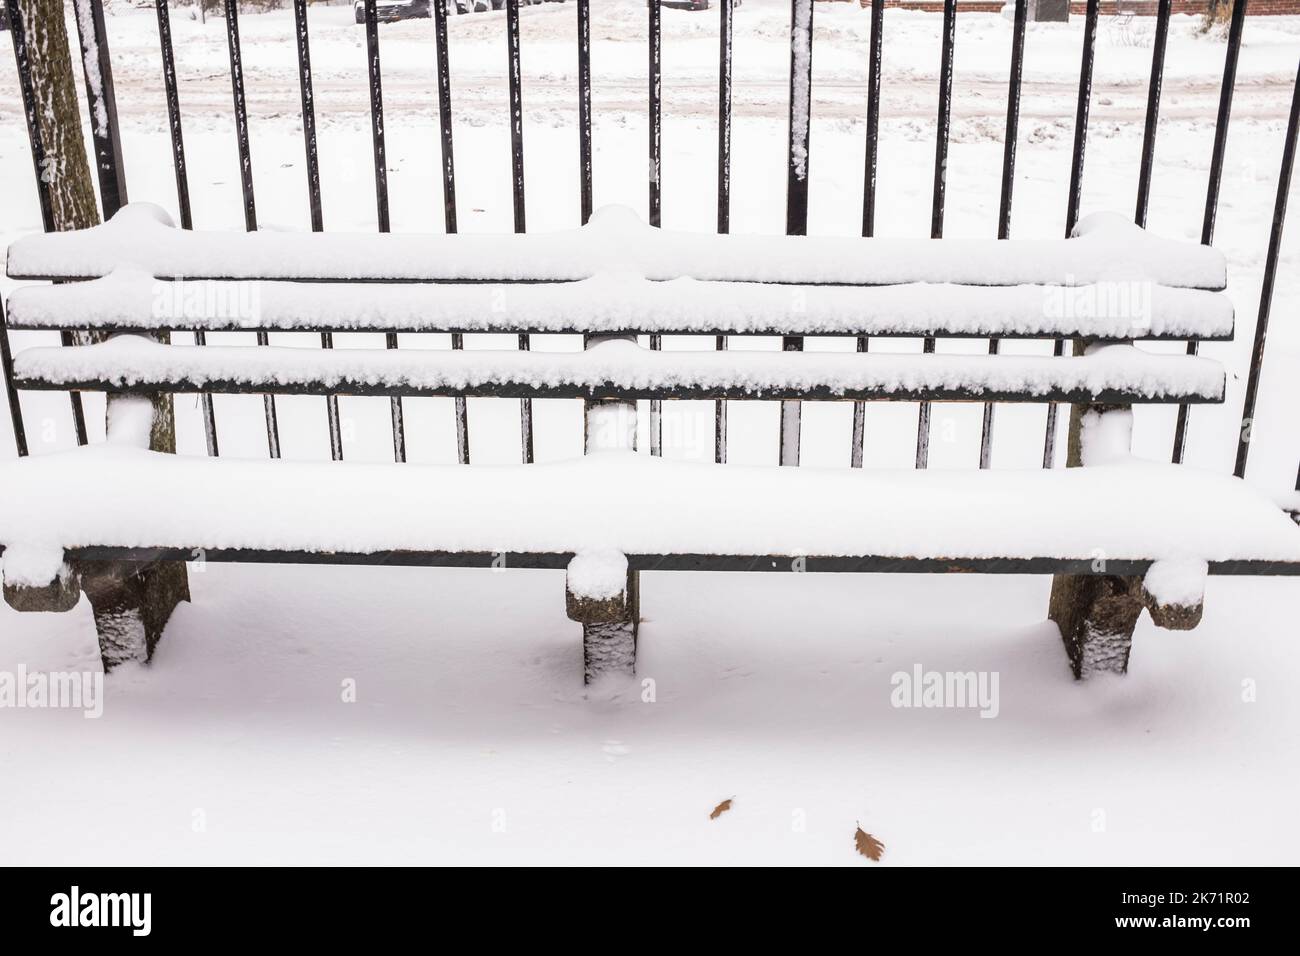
{"x": 132, "y": 604}
{"x": 610, "y": 647}
{"x": 601, "y": 592}
{"x": 133, "y": 601}
{"x": 1096, "y": 614}
{"x": 603, "y": 595}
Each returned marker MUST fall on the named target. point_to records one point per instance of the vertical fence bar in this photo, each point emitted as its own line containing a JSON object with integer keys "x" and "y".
{"x": 23, "y": 63}
{"x": 246, "y": 185}
{"x": 102, "y": 104}
{"x": 584, "y": 110}
{"x": 1226, "y": 89}
{"x": 375, "y": 77}
{"x": 182, "y": 189}
{"x": 943, "y": 129}
{"x": 1270, "y": 276}
{"x": 725, "y": 33}
{"x": 78, "y": 409}
{"x": 449, "y": 193}
{"x": 517, "y": 182}
{"x": 1153, "y": 112}
{"x": 796, "y": 190}
{"x": 943, "y": 123}
{"x": 1212, "y": 188}
{"x": 241, "y": 115}
{"x": 654, "y": 169}
{"x": 1076, "y": 189}
{"x": 873, "y": 119}
{"x": 442, "y": 54}
{"x": 308, "y": 115}
{"x": 313, "y": 191}
{"x": 377, "y": 137}
{"x": 174, "y": 114}
{"x": 869, "y": 198}
{"x": 654, "y": 89}
{"x": 7, "y": 370}
{"x": 1081, "y": 117}
{"x": 1008, "y": 186}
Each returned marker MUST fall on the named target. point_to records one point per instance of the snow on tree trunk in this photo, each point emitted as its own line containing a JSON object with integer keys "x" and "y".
{"x": 65, "y": 171}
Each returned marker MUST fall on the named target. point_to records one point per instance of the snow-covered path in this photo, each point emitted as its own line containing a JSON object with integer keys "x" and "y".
{"x": 471, "y": 738}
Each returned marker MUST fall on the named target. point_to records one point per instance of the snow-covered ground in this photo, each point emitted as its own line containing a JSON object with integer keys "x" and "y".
{"x": 471, "y": 737}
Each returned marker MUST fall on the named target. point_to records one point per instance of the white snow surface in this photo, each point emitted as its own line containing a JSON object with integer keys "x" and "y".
{"x": 635, "y": 504}
{"x": 471, "y": 738}
{"x": 131, "y": 360}
{"x": 1105, "y": 436}
{"x": 598, "y": 575}
{"x": 35, "y": 562}
{"x": 130, "y": 297}
{"x": 129, "y": 421}
{"x": 1179, "y": 582}
{"x": 90, "y": 63}
{"x": 801, "y": 45}
{"x": 1105, "y": 246}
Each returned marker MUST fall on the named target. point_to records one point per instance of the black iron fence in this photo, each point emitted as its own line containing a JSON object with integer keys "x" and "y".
{"x": 108, "y": 162}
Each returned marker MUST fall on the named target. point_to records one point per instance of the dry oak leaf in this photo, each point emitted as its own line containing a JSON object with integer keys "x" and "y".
{"x": 720, "y": 809}
{"x": 868, "y": 845}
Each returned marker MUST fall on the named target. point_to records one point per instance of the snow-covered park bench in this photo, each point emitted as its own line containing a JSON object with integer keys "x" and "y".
{"x": 117, "y": 519}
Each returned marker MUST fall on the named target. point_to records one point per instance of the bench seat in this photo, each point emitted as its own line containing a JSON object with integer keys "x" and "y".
{"x": 113, "y": 499}
{"x": 1114, "y": 374}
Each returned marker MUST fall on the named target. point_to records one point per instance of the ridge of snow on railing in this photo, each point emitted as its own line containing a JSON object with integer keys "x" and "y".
{"x": 1105, "y": 247}
{"x": 131, "y": 299}
{"x": 620, "y": 367}
{"x": 682, "y": 508}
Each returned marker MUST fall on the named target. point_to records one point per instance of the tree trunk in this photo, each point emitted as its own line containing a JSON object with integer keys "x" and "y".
{"x": 132, "y": 602}
{"x": 65, "y": 171}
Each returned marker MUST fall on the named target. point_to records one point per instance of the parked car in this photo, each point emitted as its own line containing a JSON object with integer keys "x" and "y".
{"x": 390, "y": 11}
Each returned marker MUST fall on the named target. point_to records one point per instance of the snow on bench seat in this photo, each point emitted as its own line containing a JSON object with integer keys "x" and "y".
{"x": 115, "y": 496}
{"x": 622, "y": 369}
{"x": 131, "y": 299}
{"x": 1105, "y": 246}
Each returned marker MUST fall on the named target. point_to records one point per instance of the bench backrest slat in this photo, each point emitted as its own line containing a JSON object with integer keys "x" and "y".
{"x": 133, "y": 301}
{"x": 615, "y": 242}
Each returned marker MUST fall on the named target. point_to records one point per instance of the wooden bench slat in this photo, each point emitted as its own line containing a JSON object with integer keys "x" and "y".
{"x": 1113, "y": 374}
{"x": 111, "y": 496}
{"x": 132, "y": 300}
{"x": 1105, "y": 246}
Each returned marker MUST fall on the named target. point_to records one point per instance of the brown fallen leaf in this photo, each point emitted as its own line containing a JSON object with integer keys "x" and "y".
{"x": 720, "y": 809}
{"x": 868, "y": 845}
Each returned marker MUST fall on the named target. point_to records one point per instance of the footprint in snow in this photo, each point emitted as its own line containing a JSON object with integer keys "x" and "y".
{"x": 614, "y": 748}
